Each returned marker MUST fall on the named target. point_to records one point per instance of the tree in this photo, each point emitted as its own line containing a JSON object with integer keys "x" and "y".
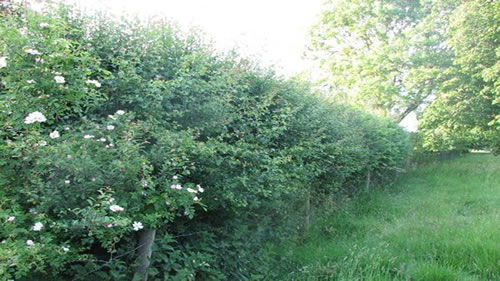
{"x": 467, "y": 112}
{"x": 383, "y": 55}
{"x": 396, "y": 57}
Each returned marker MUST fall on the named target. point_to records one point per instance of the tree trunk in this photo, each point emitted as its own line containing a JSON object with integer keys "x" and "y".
{"x": 146, "y": 240}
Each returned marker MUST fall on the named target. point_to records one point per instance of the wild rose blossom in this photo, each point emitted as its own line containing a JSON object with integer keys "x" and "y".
{"x": 196, "y": 198}
{"x": 176, "y": 186}
{"x": 137, "y": 226}
{"x": 30, "y": 81}
{"x": 38, "y": 226}
{"x": 35, "y": 117}
{"x": 42, "y": 143}
{"x": 94, "y": 82}
{"x": 192, "y": 190}
{"x": 43, "y": 24}
{"x": 88, "y": 136}
{"x": 115, "y": 208}
{"x": 32, "y": 52}
{"x": 200, "y": 189}
{"x": 110, "y": 127}
{"x": 23, "y": 31}
{"x": 120, "y": 112}
{"x": 54, "y": 134}
{"x": 11, "y": 218}
{"x": 30, "y": 243}
{"x": 3, "y": 62}
{"x": 65, "y": 249}
{"x": 59, "y": 79}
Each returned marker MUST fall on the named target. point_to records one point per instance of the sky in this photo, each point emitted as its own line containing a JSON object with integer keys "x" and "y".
{"x": 273, "y": 31}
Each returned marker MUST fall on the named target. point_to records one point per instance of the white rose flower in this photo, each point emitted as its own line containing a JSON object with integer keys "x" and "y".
{"x": 11, "y": 218}
{"x": 30, "y": 81}
{"x": 59, "y": 79}
{"x": 110, "y": 127}
{"x": 102, "y": 139}
{"x": 42, "y": 143}
{"x": 120, "y": 112}
{"x": 196, "y": 198}
{"x": 94, "y": 82}
{"x": 115, "y": 208}
{"x": 67, "y": 182}
{"x": 112, "y": 117}
{"x": 32, "y": 52}
{"x": 35, "y": 117}
{"x": 192, "y": 190}
{"x": 54, "y": 134}
{"x": 175, "y": 177}
{"x": 200, "y": 189}
{"x": 137, "y": 226}
{"x": 37, "y": 227}
{"x": 43, "y": 24}
{"x": 65, "y": 249}
{"x": 30, "y": 243}
{"x": 3, "y": 62}
{"x": 176, "y": 186}
{"x": 88, "y": 136}
{"x": 23, "y": 31}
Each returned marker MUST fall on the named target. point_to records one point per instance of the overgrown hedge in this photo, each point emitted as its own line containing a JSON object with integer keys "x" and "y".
{"x": 112, "y": 128}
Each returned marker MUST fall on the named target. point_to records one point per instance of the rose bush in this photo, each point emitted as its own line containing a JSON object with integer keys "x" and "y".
{"x": 121, "y": 138}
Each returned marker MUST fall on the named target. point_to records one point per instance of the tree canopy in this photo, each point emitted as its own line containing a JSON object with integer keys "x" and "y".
{"x": 439, "y": 57}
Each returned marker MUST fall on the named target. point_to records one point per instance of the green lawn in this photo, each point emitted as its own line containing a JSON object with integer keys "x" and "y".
{"x": 440, "y": 222}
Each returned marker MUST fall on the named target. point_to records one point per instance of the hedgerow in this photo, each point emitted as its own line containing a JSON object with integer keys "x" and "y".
{"x": 116, "y": 130}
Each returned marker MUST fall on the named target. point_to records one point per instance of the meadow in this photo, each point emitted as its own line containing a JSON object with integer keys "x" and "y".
{"x": 438, "y": 222}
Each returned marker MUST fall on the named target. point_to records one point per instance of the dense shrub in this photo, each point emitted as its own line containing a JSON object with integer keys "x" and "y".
{"x": 113, "y": 128}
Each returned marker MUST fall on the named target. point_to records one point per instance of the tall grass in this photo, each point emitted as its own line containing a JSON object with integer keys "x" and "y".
{"x": 440, "y": 222}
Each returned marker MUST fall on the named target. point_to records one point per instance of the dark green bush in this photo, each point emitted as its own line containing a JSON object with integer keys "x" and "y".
{"x": 144, "y": 110}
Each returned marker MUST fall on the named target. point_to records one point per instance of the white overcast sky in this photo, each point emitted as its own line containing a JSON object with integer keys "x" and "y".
{"x": 275, "y": 31}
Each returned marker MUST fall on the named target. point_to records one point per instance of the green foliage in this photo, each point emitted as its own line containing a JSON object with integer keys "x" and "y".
{"x": 438, "y": 57}
{"x": 437, "y": 223}
{"x": 382, "y": 55}
{"x": 112, "y": 126}
{"x": 466, "y": 114}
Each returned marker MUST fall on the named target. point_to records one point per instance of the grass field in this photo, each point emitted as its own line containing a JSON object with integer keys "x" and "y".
{"x": 440, "y": 222}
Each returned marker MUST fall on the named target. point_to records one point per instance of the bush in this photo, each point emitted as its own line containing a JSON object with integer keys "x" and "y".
{"x": 111, "y": 129}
